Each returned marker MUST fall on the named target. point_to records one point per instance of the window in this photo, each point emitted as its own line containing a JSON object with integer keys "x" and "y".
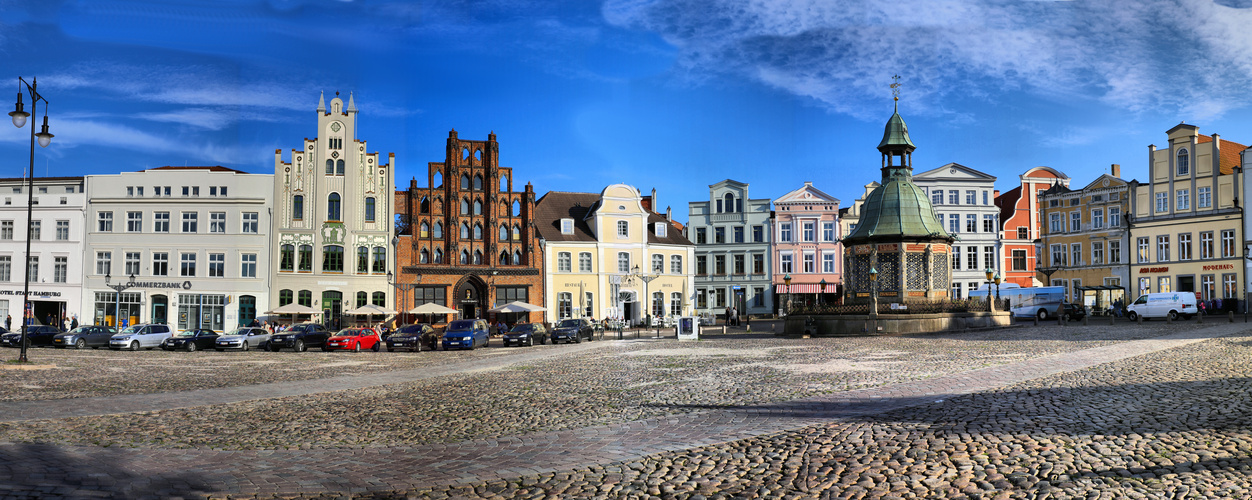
{"x": 362, "y": 298}
{"x": 972, "y": 257}
{"x": 623, "y": 229}
{"x": 104, "y": 263}
{"x": 730, "y": 202}
{"x": 1162, "y": 248}
{"x": 701, "y": 236}
{"x": 6, "y": 230}
{"x": 297, "y": 207}
{"x": 287, "y": 258}
{"x": 784, "y": 232}
{"x": 438, "y": 231}
{"x": 1163, "y": 285}
{"x": 675, "y": 304}
{"x": 808, "y": 231}
{"x": 971, "y": 197}
{"x": 332, "y": 207}
{"x": 1097, "y": 218}
{"x": 956, "y": 290}
{"x": 658, "y": 304}
{"x": 332, "y": 259}
{"x": 380, "y": 260}
{"x": 936, "y": 197}
{"x": 1115, "y": 216}
{"x": 1184, "y": 246}
{"x": 478, "y": 207}
{"x": 719, "y": 264}
{"x": 305, "y": 298}
{"x": 1058, "y": 255}
{"x": 33, "y": 272}
{"x": 1075, "y": 221}
{"x": 36, "y": 230}
{"x": 478, "y": 231}
{"x": 1206, "y": 245}
{"x": 105, "y": 221}
{"x": 504, "y": 232}
{"x": 1230, "y": 289}
{"x": 989, "y": 257}
{"x": 954, "y": 197}
{"x": 247, "y": 265}
{"x": 985, "y": 200}
{"x": 438, "y": 256}
{"x": 758, "y": 234}
{"x": 131, "y": 263}
{"x": 478, "y": 183}
{"x": 658, "y": 264}
{"x": 1145, "y": 286}
{"x": 190, "y": 221}
{"x": 738, "y": 234}
{"x": 250, "y": 222}
{"x": 702, "y": 265}
{"x": 1142, "y": 256}
{"x": 1019, "y": 260}
{"x": 675, "y": 264}
{"x": 1182, "y": 199}
{"x": 160, "y": 264}
{"x": 63, "y": 230}
{"x": 758, "y": 263}
{"x": 702, "y": 299}
{"x": 784, "y": 263}
{"x": 954, "y": 223}
{"x": 828, "y": 263}
{"x": 1228, "y": 243}
{"x": 956, "y": 258}
{"x": 1208, "y": 287}
{"x": 1204, "y": 197}
{"x": 1162, "y": 202}
{"x": 1183, "y": 164}
{"x": 465, "y": 230}
{"x": 188, "y": 262}
{"x": 362, "y": 260}
{"x": 134, "y": 222}
{"x": 1115, "y": 252}
{"x": 971, "y": 223}
{"x": 565, "y": 305}
{"x": 186, "y": 191}
{"x": 60, "y": 269}
{"x": 623, "y": 262}
{"x": 719, "y": 235}
{"x": 217, "y": 265}
{"x": 1097, "y": 252}
{"x": 306, "y": 258}
{"x": 584, "y": 262}
{"x": 738, "y": 264}
{"x": 1023, "y": 233}
{"x": 1054, "y": 223}
{"x": 217, "y": 222}
{"x": 6, "y": 268}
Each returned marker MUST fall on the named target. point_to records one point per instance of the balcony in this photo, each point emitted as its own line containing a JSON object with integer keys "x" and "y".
{"x": 729, "y": 217}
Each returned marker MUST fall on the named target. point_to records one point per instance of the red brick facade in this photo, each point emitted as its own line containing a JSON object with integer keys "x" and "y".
{"x": 469, "y": 235}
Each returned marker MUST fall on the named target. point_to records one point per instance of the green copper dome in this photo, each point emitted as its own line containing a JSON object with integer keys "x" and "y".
{"x": 896, "y": 135}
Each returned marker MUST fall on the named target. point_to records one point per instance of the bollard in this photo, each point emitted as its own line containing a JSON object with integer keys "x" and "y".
{"x": 723, "y": 329}
{"x": 1199, "y": 318}
{"x": 1139, "y": 319}
{"x": 1112, "y": 319}
{"x": 1060, "y": 320}
{"x": 1230, "y": 315}
{"x": 1036, "y": 320}
{"x": 1084, "y": 320}
{"x": 1169, "y": 319}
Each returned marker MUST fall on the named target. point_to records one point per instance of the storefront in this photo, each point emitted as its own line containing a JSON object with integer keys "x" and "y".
{"x": 202, "y": 310}
{"x": 176, "y": 303}
{"x": 109, "y": 304}
{"x": 49, "y": 307}
{"x": 1211, "y": 281}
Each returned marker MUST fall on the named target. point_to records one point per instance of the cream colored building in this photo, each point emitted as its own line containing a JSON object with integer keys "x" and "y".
{"x": 607, "y": 256}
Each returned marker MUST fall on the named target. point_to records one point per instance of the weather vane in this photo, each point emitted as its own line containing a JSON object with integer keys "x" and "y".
{"x": 895, "y": 87}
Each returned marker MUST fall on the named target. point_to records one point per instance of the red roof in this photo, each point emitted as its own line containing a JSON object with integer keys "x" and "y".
{"x": 1230, "y": 153}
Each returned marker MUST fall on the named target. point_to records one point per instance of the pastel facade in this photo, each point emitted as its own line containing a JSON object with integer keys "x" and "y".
{"x": 1085, "y": 245}
{"x": 963, "y": 199}
{"x": 733, "y": 262}
{"x": 806, "y": 247}
{"x": 1019, "y": 224}
{"x": 56, "y": 248}
{"x": 608, "y": 256}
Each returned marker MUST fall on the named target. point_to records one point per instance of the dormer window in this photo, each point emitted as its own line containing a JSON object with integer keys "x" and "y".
{"x": 660, "y": 230}
{"x": 1184, "y": 162}
{"x": 567, "y": 226}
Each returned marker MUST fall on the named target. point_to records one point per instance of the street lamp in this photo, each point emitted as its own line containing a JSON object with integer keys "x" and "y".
{"x": 989, "y": 272}
{"x": 117, "y": 297}
{"x": 997, "y": 280}
{"x": 403, "y": 288}
{"x": 19, "y": 116}
{"x": 787, "y": 291}
{"x": 821, "y": 298}
{"x": 645, "y": 279}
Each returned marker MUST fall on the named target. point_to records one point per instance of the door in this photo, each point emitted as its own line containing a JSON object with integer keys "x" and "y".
{"x": 332, "y": 304}
{"x": 159, "y": 306}
{"x": 247, "y": 309}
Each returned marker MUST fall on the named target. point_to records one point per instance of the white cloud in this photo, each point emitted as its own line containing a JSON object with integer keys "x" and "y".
{"x": 89, "y": 133}
{"x": 1161, "y": 55}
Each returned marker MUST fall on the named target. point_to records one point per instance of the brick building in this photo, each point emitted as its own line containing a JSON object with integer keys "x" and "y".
{"x": 467, "y": 240}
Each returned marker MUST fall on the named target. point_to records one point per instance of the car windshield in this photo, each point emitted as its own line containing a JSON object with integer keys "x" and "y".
{"x": 410, "y": 329}
{"x": 568, "y": 323}
{"x": 130, "y": 330}
{"x": 461, "y": 324}
{"x": 348, "y": 333}
{"x": 238, "y": 331}
{"x": 186, "y": 333}
{"x": 81, "y": 329}
{"x": 523, "y": 328}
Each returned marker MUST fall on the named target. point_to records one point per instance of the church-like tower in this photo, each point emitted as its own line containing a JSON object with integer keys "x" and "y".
{"x": 898, "y": 235}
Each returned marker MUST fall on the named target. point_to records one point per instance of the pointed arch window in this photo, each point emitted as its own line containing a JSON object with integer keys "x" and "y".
{"x": 424, "y": 257}
{"x": 504, "y": 209}
{"x": 438, "y": 233}
{"x": 504, "y": 183}
{"x": 478, "y": 231}
{"x": 465, "y": 182}
{"x": 517, "y": 258}
{"x": 517, "y": 232}
{"x": 478, "y": 207}
{"x": 1184, "y": 162}
{"x": 438, "y": 180}
{"x": 465, "y": 206}
{"x": 438, "y": 256}
{"x": 478, "y": 257}
{"x": 517, "y": 208}
{"x": 464, "y": 231}
{"x": 478, "y": 183}
{"x": 504, "y": 258}
{"x": 465, "y": 256}
{"x": 332, "y": 207}
{"x": 425, "y": 230}
{"x": 425, "y": 205}
{"x": 504, "y": 232}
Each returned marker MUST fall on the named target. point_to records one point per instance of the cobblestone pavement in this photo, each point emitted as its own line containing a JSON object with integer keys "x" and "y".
{"x": 738, "y": 448}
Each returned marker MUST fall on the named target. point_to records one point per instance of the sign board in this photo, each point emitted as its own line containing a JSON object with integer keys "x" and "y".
{"x": 687, "y": 327}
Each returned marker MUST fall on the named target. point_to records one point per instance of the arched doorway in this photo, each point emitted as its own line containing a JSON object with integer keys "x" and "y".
{"x": 247, "y": 309}
{"x": 160, "y": 306}
{"x": 471, "y": 298}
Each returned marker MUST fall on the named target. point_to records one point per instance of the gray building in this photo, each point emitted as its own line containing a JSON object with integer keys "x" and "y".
{"x": 732, "y": 236}
{"x": 964, "y": 201}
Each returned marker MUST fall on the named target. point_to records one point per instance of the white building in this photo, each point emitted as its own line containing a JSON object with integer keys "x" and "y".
{"x": 732, "y": 236}
{"x": 56, "y": 245}
{"x": 195, "y": 240}
{"x": 333, "y": 219}
{"x": 964, "y": 201}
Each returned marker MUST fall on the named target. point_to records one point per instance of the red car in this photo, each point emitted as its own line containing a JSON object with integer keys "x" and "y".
{"x": 355, "y": 339}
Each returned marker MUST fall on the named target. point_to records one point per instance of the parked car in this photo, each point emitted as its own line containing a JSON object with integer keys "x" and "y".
{"x": 190, "y": 340}
{"x": 93, "y": 336}
{"x": 526, "y": 334}
{"x": 466, "y": 334}
{"x": 300, "y": 337}
{"x": 354, "y": 339}
{"x": 413, "y": 337}
{"x": 140, "y": 336}
{"x": 243, "y": 339}
{"x": 35, "y": 335}
{"x": 1163, "y": 304}
{"x": 1073, "y": 312}
{"x": 572, "y": 330}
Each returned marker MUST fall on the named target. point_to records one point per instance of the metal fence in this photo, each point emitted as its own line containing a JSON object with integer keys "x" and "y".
{"x": 924, "y": 307}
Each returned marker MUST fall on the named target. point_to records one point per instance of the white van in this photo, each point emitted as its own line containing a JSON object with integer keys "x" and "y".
{"x": 1161, "y": 305}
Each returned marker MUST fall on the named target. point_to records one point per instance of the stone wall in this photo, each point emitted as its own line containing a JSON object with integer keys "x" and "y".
{"x": 831, "y": 325}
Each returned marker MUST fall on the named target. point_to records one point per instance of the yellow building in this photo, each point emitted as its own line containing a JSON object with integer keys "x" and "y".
{"x": 1084, "y": 246}
{"x": 1187, "y": 227}
{"x": 609, "y": 255}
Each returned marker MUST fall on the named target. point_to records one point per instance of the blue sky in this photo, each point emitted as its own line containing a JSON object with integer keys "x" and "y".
{"x": 674, "y": 95}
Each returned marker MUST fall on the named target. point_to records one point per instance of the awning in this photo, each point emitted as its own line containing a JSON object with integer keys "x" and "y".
{"x": 805, "y": 288}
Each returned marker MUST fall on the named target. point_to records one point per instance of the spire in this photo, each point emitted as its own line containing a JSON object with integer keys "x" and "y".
{"x": 895, "y": 137}
{"x": 321, "y": 102}
{"x": 351, "y": 103}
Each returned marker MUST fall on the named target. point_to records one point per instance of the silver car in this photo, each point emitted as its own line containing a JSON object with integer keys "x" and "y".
{"x": 243, "y": 339}
{"x": 140, "y": 336}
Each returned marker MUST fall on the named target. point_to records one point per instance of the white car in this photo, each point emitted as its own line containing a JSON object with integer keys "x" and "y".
{"x": 140, "y": 336}
{"x": 243, "y": 339}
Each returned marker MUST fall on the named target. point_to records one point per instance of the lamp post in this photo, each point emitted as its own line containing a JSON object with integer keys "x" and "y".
{"x": 821, "y": 299}
{"x": 997, "y": 280}
{"x": 117, "y": 297}
{"x": 990, "y": 272}
{"x": 787, "y": 291}
{"x": 19, "y": 116}
{"x": 403, "y": 288}
{"x": 873, "y": 292}
{"x": 645, "y": 279}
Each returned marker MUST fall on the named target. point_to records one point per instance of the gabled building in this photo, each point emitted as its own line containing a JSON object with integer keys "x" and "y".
{"x": 1085, "y": 242}
{"x": 56, "y": 249}
{"x": 608, "y": 256}
{"x": 332, "y": 220}
{"x": 732, "y": 236}
{"x": 467, "y": 241}
{"x": 1187, "y": 224}
{"x": 806, "y": 247}
{"x": 963, "y": 201}
{"x": 1020, "y": 223}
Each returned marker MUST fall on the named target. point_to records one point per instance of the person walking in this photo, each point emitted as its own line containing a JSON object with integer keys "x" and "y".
{"x": 74, "y": 322}
{"x": 8, "y": 322}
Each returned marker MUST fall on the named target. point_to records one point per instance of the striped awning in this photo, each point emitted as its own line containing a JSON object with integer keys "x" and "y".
{"x": 804, "y": 288}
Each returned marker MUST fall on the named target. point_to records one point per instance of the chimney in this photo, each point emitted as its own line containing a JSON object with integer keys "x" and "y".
{"x": 1217, "y": 143}
{"x": 668, "y": 214}
{"x": 1116, "y": 170}
{"x": 654, "y": 203}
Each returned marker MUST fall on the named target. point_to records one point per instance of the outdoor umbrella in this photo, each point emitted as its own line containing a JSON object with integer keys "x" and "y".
{"x": 517, "y": 306}
{"x": 432, "y": 308}
{"x": 370, "y": 309}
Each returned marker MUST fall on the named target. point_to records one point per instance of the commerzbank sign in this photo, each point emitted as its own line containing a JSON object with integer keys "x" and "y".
{"x": 186, "y": 285}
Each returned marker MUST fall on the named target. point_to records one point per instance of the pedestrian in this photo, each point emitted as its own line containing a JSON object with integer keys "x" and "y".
{"x": 8, "y": 322}
{"x": 74, "y": 322}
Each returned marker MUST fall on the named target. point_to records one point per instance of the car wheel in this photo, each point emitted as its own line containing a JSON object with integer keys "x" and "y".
{"x": 1043, "y": 314}
{"x": 1173, "y": 315}
{"x": 325, "y": 348}
{"x": 134, "y": 345}
{"x": 356, "y": 347}
{"x": 191, "y": 347}
{"x": 81, "y": 343}
{"x": 245, "y": 345}
{"x": 378, "y": 347}
{"x": 218, "y": 350}
{"x": 299, "y": 346}
{"x": 1067, "y": 317}
{"x": 1132, "y": 316}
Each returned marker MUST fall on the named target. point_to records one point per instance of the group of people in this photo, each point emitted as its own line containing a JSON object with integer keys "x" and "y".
{"x": 732, "y": 316}
{"x": 65, "y": 324}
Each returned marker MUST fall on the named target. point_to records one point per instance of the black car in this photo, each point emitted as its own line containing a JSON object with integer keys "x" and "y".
{"x": 526, "y": 334}
{"x": 35, "y": 335}
{"x": 191, "y": 340}
{"x": 1074, "y": 312}
{"x": 413, "y": 337}
{"x": 93, "y": 336}
{"x": 300, "y": 337}
{"x": 572, "y": 330}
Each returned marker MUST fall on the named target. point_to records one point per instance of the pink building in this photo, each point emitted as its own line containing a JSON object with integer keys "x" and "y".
{"x": 806, "y": 247}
